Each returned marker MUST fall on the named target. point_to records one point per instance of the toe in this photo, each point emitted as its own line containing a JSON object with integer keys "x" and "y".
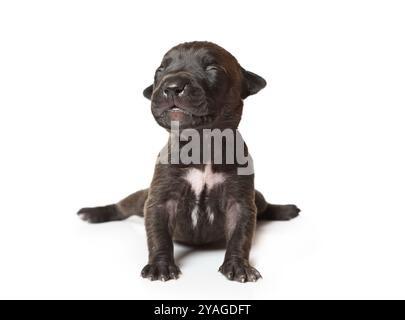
{"x": 174, "y": 272}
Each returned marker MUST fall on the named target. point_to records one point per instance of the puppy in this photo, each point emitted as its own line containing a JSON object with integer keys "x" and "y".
{"x": 199, "y": 89}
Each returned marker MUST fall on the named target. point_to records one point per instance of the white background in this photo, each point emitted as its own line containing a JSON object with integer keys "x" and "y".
{"x": 327, "y": 134}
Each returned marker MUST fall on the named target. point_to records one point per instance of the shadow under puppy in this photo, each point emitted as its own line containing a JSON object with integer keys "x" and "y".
{"x": 198, "y": 86}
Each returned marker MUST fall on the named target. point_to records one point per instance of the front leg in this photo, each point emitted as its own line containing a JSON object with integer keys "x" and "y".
{"x": 240, "y": 228}
{"x": 160, "y": 223}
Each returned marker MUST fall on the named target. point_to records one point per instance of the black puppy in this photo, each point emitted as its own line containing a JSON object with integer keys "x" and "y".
{"x": 199, "y": 86}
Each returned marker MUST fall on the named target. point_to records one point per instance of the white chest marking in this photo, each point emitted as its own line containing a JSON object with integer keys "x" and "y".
{"x": 210, "y": 216}
{"x": 194, "y": 216}
{"x": 199, "y": 179}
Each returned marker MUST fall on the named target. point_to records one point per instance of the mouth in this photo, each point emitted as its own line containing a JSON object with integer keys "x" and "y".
{"x": 176, "y": 109}
{"x": 186, "y": 118}
{"x": 178, "y": 114}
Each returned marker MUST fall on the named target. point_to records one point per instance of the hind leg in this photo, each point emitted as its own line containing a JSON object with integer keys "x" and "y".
{"x": 130, "y": 206}
{"x": 266, "y": 211}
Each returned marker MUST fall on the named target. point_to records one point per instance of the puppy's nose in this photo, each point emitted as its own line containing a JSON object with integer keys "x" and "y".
{"x": 174, "y": 88}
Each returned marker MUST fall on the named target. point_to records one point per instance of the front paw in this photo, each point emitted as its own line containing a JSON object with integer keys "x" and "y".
{"x": 239, "y": 270}
{"x": 161, "y": 270}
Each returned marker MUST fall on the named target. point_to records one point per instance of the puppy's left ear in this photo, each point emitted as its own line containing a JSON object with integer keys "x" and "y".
{"x": 251, "y": 83}
{"x": 147, "y": 93}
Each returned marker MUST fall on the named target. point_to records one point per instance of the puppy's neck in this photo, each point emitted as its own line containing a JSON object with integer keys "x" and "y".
{"x": 192, "y": 148}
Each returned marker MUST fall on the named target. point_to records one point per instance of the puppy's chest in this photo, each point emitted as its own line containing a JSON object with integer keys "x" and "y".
{"x": 204, "y": 192}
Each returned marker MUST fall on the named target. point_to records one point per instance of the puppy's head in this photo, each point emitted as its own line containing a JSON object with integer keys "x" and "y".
{"x": 201, "y": 85}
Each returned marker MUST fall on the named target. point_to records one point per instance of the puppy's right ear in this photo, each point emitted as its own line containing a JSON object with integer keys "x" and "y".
{"x": 147, "y": 93}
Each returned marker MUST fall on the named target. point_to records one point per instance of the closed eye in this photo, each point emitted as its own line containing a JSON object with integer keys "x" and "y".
{"x": 160, "y": 69}
{"x": 211, "y": 68}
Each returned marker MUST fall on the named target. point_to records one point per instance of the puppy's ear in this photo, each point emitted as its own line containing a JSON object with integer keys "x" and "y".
{"x": 147, "y": 93}
{"x": 251, "y": 83}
